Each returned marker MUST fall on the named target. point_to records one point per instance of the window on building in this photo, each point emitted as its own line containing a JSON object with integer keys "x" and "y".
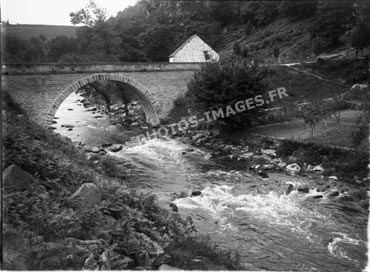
{"x": 206, "y": 55}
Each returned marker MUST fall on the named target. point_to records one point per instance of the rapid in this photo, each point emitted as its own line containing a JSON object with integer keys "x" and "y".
{"x": 240, "y": 211}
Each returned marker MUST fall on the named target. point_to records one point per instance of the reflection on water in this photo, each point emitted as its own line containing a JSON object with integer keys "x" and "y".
{"x": 90, "y": 127}
{"x": 240, "y": 211}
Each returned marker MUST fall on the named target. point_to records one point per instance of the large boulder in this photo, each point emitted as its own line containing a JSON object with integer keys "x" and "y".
{"x": 87, "y": 196}
{"x": 269, "y": 152}
{"x": 115, "y": 148}
{"x": 15, "y": 179}
{"x": 318, "y": 169}
{"x": 151, "y": 250}
{"x": 288, "y": 188}
{"x": 333, "y": 178}
{"x": 92, "y": 149}
{"x": 196, "y": 193}
{"x": 284, "y": 189}
{"x": 167, "y": 267}
{"x": 293, "y": 168}
{"x": 303, "y": 189}
{"x": 246, "y": 155}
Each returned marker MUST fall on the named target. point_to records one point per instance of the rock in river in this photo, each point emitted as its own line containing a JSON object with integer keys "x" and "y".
{"x": 269, "y": 152}
{"x": 293, "y": 168}
{"x": 196, "y": 193}
{"x": 333, "y": 193}
{"x": 318, "y": 169}
{"x": 167, "y": 267}
{"x": 303, "y": 189}
{"x": 262, "y": 174}
{"x": 115, "y": 148}
{"x": 68, "y": 126}
{"x": 92, "y": 149}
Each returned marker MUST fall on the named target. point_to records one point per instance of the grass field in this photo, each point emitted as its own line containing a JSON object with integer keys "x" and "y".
{"x": 302, "y": 87}
{"x": 25, "y": 32}
{"x": 332, "y": 134}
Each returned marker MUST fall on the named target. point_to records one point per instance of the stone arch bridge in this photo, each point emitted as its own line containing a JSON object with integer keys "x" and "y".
{"x": 40, "y": 88}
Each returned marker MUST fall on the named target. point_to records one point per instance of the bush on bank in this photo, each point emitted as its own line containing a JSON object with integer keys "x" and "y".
{"x": 219, "y": 85}
{"x": 44, "y": 231}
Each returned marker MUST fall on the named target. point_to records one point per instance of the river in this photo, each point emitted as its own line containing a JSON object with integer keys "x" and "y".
{"x": 238, "y": 210}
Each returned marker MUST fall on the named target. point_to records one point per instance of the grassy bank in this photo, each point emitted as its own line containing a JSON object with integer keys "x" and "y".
{"x": 348, "y": 71}
{"x": 346, "y": 164}
{"x": 126, "y": 230}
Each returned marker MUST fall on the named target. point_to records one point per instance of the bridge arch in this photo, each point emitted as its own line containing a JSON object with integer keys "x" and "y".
{"x": 151, "y": 107}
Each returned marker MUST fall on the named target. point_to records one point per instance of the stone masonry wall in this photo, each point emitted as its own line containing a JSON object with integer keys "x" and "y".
{"x": 36, "y": 94}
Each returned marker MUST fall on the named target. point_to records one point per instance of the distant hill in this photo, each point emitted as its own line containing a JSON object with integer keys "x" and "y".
{"x": 26, "y": 32}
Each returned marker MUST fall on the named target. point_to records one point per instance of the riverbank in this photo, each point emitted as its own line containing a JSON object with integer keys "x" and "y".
{"x": 63, "y": 211}
{"x": 345, "y": 169}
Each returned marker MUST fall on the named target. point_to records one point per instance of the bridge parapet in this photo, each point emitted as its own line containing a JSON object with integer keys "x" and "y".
{"x": 75, "y": 68}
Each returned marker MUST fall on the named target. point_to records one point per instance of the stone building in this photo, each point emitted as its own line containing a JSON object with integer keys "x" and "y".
{"x": 194, "y": 50}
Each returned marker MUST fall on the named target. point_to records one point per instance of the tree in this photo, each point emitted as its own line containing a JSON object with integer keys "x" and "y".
{"x": 90, "y": 16}
{"x": 237, "y": 48}
{"x": 219, "y": 86}
{"x": 364, "y": 97}
{"x": 260, "y": 13}
{"x": 297, "y": 10}
{"x": 360, "y": 36}
{"x": 159, "y": 42}
{"x": 60, "y": 46}
{"x": 222, "y": 11}
{"x": 312, "y": 113}
{"x": 276, "y": 53}
{"x": 336, "y": 105}
{"x": 334, "y": 18}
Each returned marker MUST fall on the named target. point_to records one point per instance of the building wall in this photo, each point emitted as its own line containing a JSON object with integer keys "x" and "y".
{"x": 194, "y": 52}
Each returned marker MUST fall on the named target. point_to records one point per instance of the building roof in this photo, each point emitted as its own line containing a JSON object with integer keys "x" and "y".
{"x": 185, "y": 43}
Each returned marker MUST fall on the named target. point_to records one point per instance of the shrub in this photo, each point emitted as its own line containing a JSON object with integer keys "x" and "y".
{"x": 218, "y": 86}
{"x": 183, "y": 251}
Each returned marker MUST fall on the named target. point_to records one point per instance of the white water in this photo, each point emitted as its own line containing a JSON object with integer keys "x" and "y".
{"x": 240, "y": 211}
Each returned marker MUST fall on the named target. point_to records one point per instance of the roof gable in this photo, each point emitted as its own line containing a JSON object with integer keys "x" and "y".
{"x": 186, "y": 42}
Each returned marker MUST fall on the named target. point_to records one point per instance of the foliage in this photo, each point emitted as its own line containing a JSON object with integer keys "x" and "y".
{"x": 335, "y": 106}
{"x": 193, "y": 248}
{"x": 90, "y": 16}
{"x": 363, "y": 96}
{"x": 346, "y": 164}
{"x": 297, "y": 10}
{"x": 359, "y": 135}
{"x": 60, "y": 46}
{"x": 351, "y": 71}
{"x": 260, "y": 13}
{"x": 237, "y": 48}
{"x": 312, "y": 113}
{"x": 334, "y": 18}
{"x": 360, "y": 37}
{"x": 33, "y": 50}
{"x": 44, "y": 232}
{"x": 217, "y": 86}
{"x": 150, "y": 30}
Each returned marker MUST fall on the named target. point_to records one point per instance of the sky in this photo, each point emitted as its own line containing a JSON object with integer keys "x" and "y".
{"x": 53, "y": 12}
